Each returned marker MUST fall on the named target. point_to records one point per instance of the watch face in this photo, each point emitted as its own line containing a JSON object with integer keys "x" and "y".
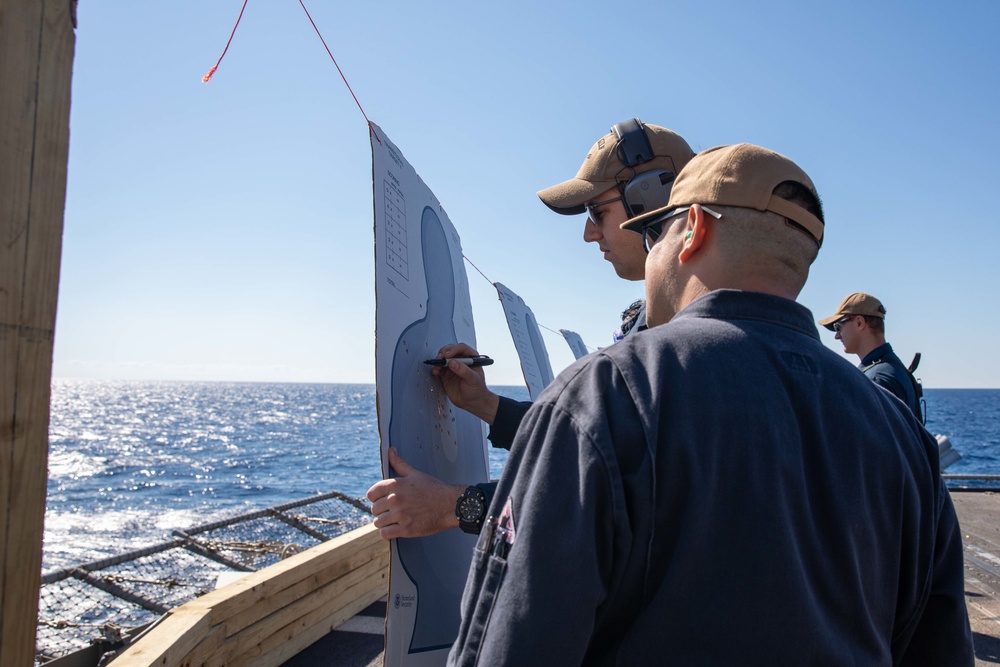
{"x": 471, "y": 507}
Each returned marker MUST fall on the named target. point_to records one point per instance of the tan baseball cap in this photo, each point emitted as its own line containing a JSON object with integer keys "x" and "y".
{"x": 741, "y": 175}
{"x": 858, "y": 303}
{"x": 603, "y": 169}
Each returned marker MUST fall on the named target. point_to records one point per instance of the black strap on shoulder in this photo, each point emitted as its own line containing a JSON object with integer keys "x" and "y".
{"x": 918, "y": 389}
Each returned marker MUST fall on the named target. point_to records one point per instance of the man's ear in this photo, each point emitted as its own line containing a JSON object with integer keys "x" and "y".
{"x": 696, "y": 230}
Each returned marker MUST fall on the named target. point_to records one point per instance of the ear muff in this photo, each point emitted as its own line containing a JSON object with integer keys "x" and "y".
{"x": 633, "y": 144}
{"x": 646, "y": 191}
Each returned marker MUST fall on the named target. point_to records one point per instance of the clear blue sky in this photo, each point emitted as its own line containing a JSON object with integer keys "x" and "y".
{"x": 223, "y": 231}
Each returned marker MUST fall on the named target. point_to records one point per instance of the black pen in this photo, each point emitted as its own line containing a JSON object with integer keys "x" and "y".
{"x": 481, "y": 360}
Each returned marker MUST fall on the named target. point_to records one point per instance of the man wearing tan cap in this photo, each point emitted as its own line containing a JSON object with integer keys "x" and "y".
{"x": 722, "y": 489}
{"x": 859, "y": 324}
{"x": 628, "y": 171}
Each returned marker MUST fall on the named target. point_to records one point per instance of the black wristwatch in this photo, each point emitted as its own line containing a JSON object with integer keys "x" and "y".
{"x": 471, "y": 510}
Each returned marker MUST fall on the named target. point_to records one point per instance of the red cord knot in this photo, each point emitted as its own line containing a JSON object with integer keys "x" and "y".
{"x": 208, "y": 77}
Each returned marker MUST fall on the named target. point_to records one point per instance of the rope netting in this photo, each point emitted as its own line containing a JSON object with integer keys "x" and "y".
{"x": 104, "y": 602}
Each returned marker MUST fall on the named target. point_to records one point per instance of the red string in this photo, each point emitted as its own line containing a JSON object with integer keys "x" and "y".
{"x": 370, "y": 128}
{"x": 208, "y": 77}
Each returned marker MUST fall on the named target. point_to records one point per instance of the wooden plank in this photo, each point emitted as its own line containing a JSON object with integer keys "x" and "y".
{"x": 353, "y": 566}
{"x": 207, "y": 647}
{"x": 369, "y": 591}
{"x": 246, "y": 642}
{"x": 202, "y": 654}
{"x": 36, "y": 56}
{"x": 325, "y": 611}
{"x": 169, "y": 643}
{"x": 246, "y": 645}
{"x": 16, "y": 135}
{"x": 279, "y": 599}
{"x": 256, "y": 587}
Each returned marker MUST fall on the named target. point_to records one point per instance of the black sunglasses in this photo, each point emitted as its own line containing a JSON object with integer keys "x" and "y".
{"x": 841, "y": 322}
{"x": 652, "y": 230}
{"x": 594, "y": 215}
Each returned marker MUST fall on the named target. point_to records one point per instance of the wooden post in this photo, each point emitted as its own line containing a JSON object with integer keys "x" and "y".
{"x": 37, "y": 41}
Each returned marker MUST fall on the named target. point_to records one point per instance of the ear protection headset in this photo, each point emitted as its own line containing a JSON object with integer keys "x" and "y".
{"x": 650, "y": 189}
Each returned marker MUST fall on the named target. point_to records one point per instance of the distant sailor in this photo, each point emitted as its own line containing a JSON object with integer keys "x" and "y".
{"x": 859, "y": 324}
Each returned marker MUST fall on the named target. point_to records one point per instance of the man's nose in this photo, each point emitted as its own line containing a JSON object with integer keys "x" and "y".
{"x": 591, "y": 232}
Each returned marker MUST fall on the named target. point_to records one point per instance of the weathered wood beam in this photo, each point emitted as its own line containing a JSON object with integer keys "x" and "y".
{"x": 37, "y": 43}
{"x": 267, "y": 616}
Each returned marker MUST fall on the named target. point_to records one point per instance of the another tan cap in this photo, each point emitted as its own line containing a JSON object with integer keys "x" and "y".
{"x": 603, "y": 169}
{"x": 858, "y": 303}
{"x": 741, "y": 175}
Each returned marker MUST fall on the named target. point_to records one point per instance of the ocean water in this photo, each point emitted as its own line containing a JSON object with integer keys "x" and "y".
{"x": 971, "y": 420}
{"x": 131, "y": 461}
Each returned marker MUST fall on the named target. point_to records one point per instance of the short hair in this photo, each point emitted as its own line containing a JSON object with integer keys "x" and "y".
{"x": 802, "y": 196}
{"x": 632, "y": 309}
{"x": 760, "y": 242}
{"x": 876, "y": 324}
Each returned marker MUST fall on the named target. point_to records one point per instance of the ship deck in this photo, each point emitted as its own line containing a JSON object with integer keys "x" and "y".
{"x": 979, "y": 516}
{"x": 359, "y": 642}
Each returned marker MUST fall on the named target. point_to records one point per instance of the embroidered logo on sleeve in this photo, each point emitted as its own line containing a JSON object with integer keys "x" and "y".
{"x": 503, "y": 539}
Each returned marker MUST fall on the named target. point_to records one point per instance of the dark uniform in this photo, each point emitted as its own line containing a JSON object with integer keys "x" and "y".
{"x": 722, "y": 489}
{"x": 510, "y": 412}
{"x": 887, "y": 370}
